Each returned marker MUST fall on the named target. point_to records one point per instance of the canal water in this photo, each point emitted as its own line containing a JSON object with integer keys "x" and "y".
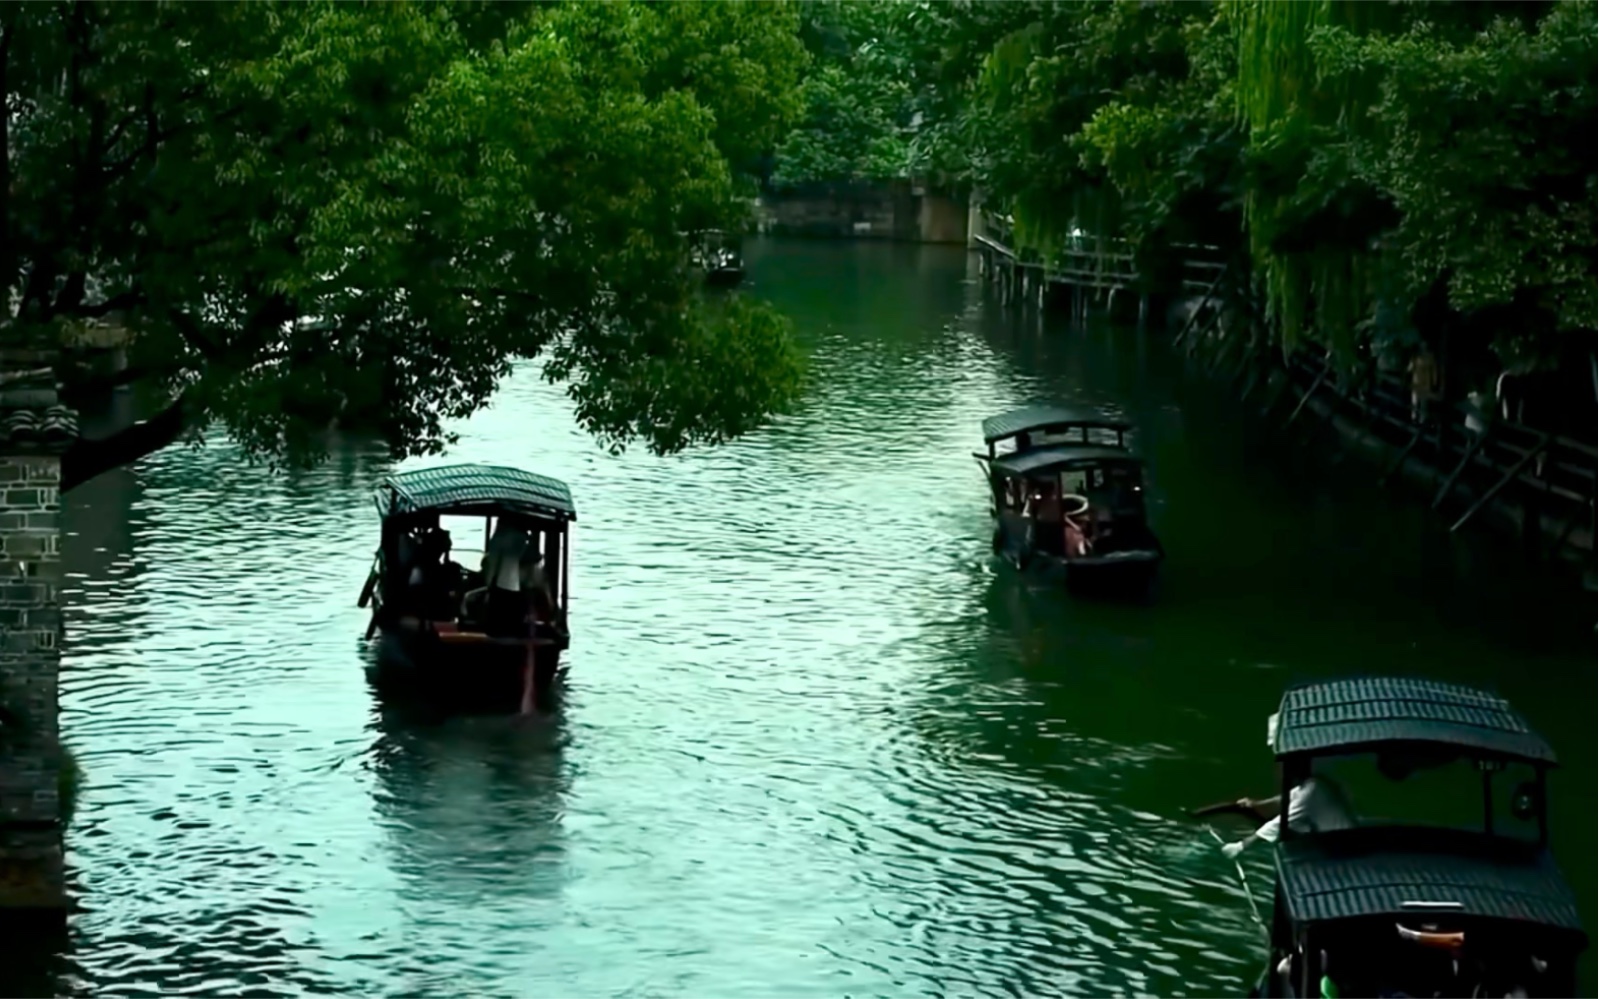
{"x": 815, "y": 742}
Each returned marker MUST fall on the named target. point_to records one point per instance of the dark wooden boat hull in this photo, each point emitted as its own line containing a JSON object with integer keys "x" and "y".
{"x": 486, "y": 675}
{"x": 725, "y": 277}
{"x": 1131, "y": 567}
{"x": 1132, "y": 577}
{"x": 1130, "y": 573}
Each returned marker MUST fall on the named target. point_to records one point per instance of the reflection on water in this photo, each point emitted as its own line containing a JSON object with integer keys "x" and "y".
{"x": 814, "y": 741}
{"x": 472, "y": 806}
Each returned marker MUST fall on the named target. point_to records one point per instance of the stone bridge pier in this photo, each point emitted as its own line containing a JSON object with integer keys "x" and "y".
{"x": 35, "y": 431}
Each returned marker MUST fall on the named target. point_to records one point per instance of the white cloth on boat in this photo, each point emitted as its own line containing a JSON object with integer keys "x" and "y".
{"x": 1315, "y": 806}
{"x": 502, "y": 561}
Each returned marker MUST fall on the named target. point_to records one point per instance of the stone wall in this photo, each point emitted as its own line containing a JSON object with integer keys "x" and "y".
{"x": 33, "y": 434}
{"x": 898, "y": 211}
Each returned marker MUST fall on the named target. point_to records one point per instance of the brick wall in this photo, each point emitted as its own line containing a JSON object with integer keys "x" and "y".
{"x": 30, "y": 658}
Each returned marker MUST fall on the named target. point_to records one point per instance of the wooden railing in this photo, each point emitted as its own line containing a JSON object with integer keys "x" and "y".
{"x": 1089, "y": 261}
{"x": 1551, "y": 476}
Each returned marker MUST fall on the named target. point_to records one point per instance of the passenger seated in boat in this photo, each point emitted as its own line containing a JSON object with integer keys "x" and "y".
{"x": 1079, "y": 526}
{"x": 512, "y": 579}
{"x": 435, "y": 579}
{"x": 416, "y": 551}
{"x": 1077, "y": 543}
{"x": 1317, "y": 804}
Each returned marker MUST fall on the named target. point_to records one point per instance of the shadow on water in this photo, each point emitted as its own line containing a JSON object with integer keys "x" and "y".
{"x": 472, "y": 811}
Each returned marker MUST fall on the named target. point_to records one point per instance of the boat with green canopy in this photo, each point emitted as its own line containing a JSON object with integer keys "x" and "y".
{"x": 1369, "y": 907}
{"x": 500, "y": 624}
{"x": 1068, "y": 492}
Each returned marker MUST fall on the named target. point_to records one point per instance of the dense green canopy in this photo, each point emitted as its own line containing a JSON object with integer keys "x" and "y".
{"x": 1382, "y": 171}
{"x": 314, "y": 211}
{"x": 306, "y": 211}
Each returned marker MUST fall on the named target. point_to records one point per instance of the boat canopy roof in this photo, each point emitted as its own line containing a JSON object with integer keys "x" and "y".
{"x": 1364, "y": 714}
{"x": 474, "y": 490}
{"x": 1420, "y": 872}
{"x": 1030, "y": 418}
{"x": 1042, "y": 459}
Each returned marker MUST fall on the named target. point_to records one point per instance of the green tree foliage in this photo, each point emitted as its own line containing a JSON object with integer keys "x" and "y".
{"x": 309, "y": 210}
{"x": 857, "y": 97}
{"x": 1481, "y": 147}
{"x": 1102, "y": 117}
{"x": 889, "y": 94}
{"x": 1387, "y": 169}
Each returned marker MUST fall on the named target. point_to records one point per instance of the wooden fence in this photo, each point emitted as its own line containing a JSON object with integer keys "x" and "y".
{"x": 1472, "y": 461}
{"x": 1081, "y": 263}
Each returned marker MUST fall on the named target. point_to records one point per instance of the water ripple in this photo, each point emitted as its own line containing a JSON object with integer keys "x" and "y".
{"x": 813, "y": 744}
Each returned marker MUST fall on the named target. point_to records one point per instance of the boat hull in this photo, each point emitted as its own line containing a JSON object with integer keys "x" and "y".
{"x": 725, "y": 277}
{"x": 486, "y": 675}
{"x": 1132, "y": 576}
{"x": 1123, "y": 569}
{"x": 1125, "y": 573}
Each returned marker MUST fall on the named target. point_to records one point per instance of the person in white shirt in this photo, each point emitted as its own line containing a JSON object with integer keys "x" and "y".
{"x": 502, "y": 576}
{"x": 1316, "y": 805}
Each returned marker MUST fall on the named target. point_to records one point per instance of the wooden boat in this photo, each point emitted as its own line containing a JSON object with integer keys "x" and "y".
{"x": 1391, "y": 909}
{"x": 718, "y": 254}
{"x": 1068, "y": 492}
{"x": 435, "y": 617}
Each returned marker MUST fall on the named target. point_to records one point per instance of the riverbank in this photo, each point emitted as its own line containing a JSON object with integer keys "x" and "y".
{"x": 1526, "y": 485}
{"x": 1531, "y": 489}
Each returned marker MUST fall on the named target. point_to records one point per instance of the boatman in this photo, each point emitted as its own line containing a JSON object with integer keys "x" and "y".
{"x": 1315, "y": 805}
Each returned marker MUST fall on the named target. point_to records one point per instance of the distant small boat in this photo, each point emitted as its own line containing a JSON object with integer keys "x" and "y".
{"x": 1068, "y": 492}
{"x": 719, "y": 256}
{"x": 437, "y": 617}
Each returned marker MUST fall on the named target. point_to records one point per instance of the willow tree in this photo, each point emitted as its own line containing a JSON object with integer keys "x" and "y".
{"x": 300, "y": 210}
{"x": 1172, "y": 147}
{"x": 1040, "y": 93}
{"x": 1410, "y": 163}
{"x": 1309, "y": 222}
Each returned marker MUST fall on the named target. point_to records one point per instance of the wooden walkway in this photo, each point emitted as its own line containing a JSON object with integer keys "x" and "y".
{"x": 1542, "y": 482}
{"x": 1104, "y": 266}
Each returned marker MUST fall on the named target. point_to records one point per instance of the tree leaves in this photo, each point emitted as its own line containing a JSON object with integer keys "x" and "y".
{"x": 1368, "y": 157}
{"x": 323, "y": 211}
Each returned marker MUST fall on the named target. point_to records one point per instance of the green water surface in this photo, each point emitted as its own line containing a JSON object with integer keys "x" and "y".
{"x": 816, "y": 742}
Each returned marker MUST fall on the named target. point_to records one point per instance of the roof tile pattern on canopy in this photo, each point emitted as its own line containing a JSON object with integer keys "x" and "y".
{"x": 1323, "y": 882}
{"x": 474, "y": 486}
{"x": 1356, "y": 713}
{"x": 1028, "y": 418}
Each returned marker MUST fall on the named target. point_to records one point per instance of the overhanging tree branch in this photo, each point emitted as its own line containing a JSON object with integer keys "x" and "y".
{"x": 87, "y": 459}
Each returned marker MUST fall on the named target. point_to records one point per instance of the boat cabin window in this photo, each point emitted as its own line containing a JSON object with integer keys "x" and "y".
{"x": 1438, "y": 787}
{"x": 1103, "y": 436}
{"x": 1044, "y": 496}
{"x": 467, "y": 539}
